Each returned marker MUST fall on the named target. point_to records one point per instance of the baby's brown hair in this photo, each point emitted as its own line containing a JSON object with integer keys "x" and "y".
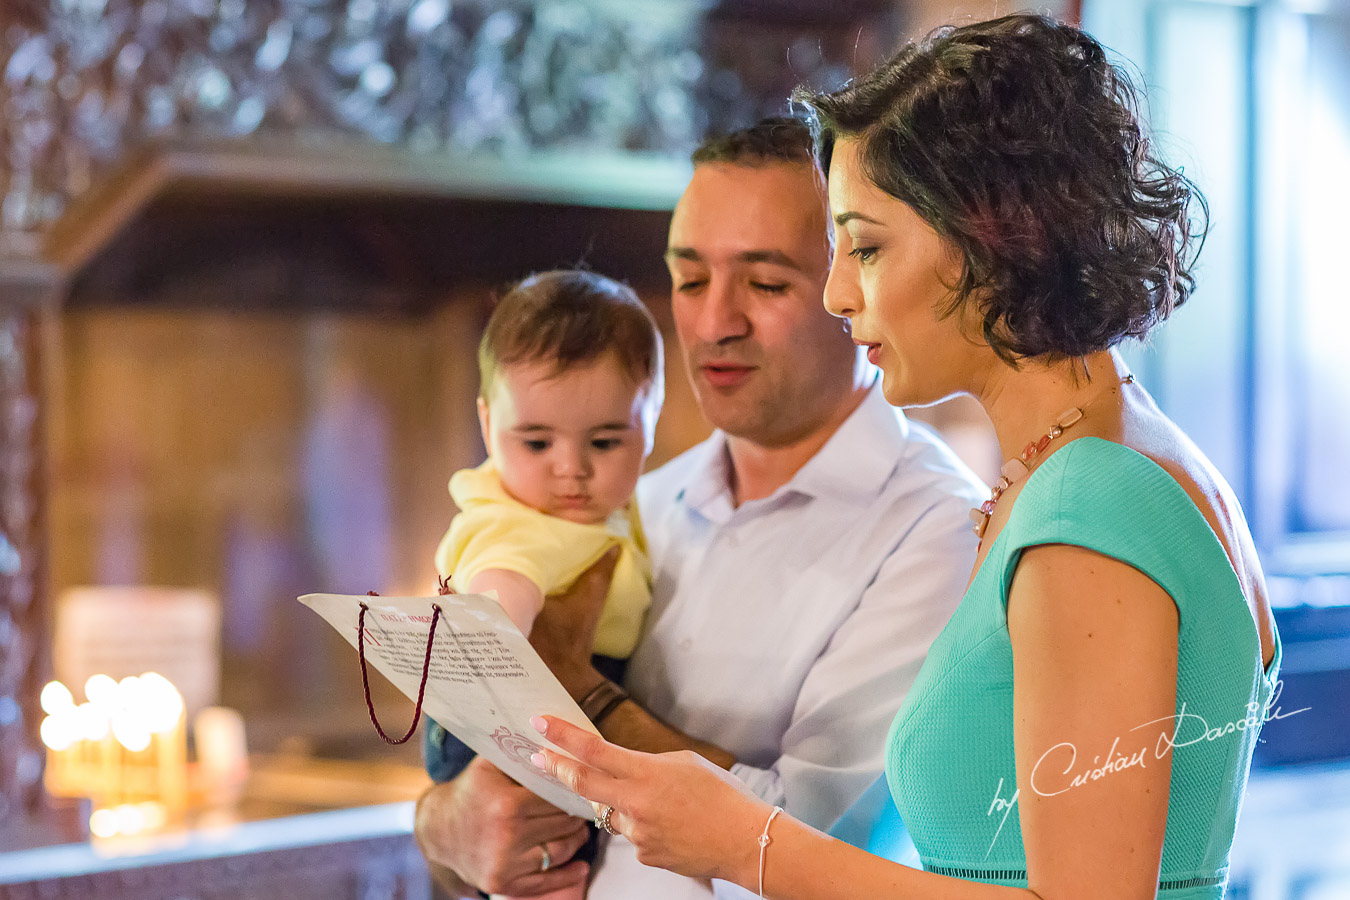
{"x": 572, "y": 316}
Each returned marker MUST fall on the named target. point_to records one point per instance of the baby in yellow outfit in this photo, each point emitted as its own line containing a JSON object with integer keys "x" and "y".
{"x": 571, "y": 369}
{"x": 572, "y": 385}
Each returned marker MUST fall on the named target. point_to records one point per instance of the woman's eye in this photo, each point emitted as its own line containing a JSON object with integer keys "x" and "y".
{"x": 766, "y": 287}
{"x": 863, "y": 254}
{"x": 536, "y": 446}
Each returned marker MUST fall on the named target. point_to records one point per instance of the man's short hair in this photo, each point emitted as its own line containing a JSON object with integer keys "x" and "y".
{"x": 567, "y": 317}
{"x": 780, "y": 139}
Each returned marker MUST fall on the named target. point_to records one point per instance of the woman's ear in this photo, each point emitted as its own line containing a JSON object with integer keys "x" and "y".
{"x": 484, "y": 425}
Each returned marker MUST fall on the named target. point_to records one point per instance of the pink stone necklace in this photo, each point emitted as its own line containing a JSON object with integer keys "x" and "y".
{"x": 1015, "y": 469}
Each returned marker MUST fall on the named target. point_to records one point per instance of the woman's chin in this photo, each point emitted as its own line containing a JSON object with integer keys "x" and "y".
{"x": 901, "y": 392}
{"x": 894, "y": 389}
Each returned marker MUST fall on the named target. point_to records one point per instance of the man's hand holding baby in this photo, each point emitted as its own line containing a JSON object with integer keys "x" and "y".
{"x": 564, "y": 630}
{"x": 509, "y": 824}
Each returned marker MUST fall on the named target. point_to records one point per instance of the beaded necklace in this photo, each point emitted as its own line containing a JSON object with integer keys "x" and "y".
{"x": 1015, "y": 469}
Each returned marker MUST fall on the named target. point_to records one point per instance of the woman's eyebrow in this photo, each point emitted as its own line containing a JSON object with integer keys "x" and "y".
{"x": 845, "y": 217}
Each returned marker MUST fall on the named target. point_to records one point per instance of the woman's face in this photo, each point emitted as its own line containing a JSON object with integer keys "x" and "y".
{"x": 891, "y": 278}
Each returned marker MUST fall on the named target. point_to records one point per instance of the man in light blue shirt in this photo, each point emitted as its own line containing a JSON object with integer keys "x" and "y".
{"x": 804, "y": 556}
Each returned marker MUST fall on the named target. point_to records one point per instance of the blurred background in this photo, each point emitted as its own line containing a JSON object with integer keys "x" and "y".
{"x": 247, "y": 248}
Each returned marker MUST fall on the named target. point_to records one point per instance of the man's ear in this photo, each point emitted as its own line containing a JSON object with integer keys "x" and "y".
{"x": 651, "y": 412}
{"x": 483, "y": 424}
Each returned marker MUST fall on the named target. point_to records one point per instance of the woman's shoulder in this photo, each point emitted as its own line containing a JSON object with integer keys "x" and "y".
{"x": 1092, "y": 474}
{"x": 1103, "y": 494}
{"x": 1158, "y": 506}
{"x": 1166, "y": 476}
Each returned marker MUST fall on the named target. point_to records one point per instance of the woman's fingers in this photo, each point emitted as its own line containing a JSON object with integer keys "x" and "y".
{"x": 598, "y": 767}
{"x": 587, "y": 746}
{"x": 579, "y": 778}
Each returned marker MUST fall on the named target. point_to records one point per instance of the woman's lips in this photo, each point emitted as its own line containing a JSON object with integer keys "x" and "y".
{"x": 726, "y": 376}
{"x": 873, "y": 351}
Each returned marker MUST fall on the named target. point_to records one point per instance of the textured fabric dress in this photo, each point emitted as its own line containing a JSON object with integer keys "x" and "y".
{"x": 950, "y": 750}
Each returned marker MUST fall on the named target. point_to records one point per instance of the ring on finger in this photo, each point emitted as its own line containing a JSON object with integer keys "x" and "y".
{"x": 603, "y": 820}
{"x": 546, "y": 861}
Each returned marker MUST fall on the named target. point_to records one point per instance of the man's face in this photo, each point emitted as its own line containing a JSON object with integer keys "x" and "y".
{"x": 749, "y": 255}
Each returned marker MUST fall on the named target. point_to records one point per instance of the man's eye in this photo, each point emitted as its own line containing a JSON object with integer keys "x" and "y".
{"x": 535, "y": 446}
{"x": 688, "y": 287}
{"x": 766, "y": 287}
{"x": 863, "y": 254}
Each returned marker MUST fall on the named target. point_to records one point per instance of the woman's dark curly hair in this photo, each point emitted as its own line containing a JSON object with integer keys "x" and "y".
{"x": 1020, "y": 143}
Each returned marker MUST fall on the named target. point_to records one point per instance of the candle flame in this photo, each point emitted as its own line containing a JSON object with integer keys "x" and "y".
{"x": 56, "y": 698}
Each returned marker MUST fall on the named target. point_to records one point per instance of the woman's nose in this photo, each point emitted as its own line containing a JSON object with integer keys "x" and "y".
{"x": 842, "y": 295}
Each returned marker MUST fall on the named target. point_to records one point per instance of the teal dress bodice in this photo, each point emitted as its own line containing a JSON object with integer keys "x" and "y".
{"x": 950, "y": 750}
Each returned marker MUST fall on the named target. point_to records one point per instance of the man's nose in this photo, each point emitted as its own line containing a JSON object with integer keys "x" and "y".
{"x": 721, "y": 316}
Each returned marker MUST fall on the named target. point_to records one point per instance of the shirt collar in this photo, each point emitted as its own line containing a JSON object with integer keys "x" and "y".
{"x": 709, "y": 478}
{"x": 858, "y": 459}
{"x": 853, "y": 465}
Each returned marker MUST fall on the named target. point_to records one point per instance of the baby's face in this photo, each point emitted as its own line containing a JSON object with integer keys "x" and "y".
{"x": 570, "y": 445}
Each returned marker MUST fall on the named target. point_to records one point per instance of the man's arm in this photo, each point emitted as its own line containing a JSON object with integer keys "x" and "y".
{"x": 563, "y": 634}
{"x": 631, "y": 726}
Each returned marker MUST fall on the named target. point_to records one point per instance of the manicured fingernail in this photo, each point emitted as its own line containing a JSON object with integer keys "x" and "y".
{"x": 537, "y": 759}
{"x": 539, "y": 724}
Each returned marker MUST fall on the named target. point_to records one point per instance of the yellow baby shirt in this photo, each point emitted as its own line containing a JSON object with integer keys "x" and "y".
{"x": 495, "y": 531}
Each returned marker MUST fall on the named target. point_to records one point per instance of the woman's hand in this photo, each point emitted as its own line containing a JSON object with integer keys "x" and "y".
{"x": 564, "y": 630}
{"x": 680, "y": 811}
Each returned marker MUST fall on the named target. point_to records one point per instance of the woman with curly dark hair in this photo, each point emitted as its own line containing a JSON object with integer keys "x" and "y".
{"x": 1083, "y": 727}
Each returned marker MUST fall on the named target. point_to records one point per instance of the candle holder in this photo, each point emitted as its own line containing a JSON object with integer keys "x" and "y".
{"x": 124, "y": 748}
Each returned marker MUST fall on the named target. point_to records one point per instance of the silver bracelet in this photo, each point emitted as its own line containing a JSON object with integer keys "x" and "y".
{"x": 764, "y": 842}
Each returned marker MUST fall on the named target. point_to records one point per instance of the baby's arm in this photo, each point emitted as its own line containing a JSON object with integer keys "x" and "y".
{"x": 519, "y": 596}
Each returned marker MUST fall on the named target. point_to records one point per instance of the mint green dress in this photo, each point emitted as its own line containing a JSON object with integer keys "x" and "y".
{"x": 950, "y": 750}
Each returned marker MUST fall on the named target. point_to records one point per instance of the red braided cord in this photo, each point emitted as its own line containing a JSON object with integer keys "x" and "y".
{"x": 365, "y": 676}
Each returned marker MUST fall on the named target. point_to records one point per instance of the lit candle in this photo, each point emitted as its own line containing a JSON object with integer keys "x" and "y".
{"x": 164, "y": 713}
{"x": 222, "y": 754}
{"x": 58, "y": 731}
{"x": 107, "y": 787}
{"x": 103, "y": 782}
